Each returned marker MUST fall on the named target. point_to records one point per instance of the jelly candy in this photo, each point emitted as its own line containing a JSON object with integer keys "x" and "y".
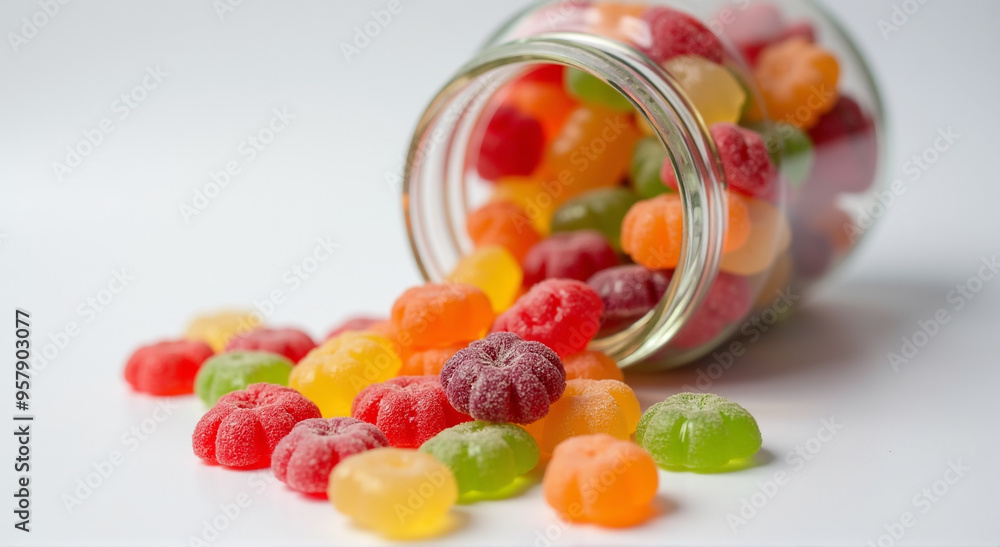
{"x": 629, "y": 292}
{"x": 590, "y": 89}
{"x": 244, "y": 427}
{"x": 770, "y": 237}
{"x": 601, "y": 479}
{"x": 798, "y": 81}
{"x": 305, "y": 457}
{"x": 408, "y": 409}
{"x": 745, "y": 160}
{"x": 602, "y": 210}
{"x": 512, "y": 145}
{"x": 563, "y": 314}
{"x": 729, "y": 299}
{"x": 713, "y": 90}
{"x": 166, "y": 368}
{"x": 615, "y": 20}
{"x": 571, "y": 255}
{"x": 216, "y": 329}
{"x": 674, "y": 33}
{"x": 495, "y": 271}
{"x": 235, "y": 370}
{"x": 790, "y": 148}
{"x": 359, "y": 323}
{"x": 698, "y": 431}
{"x": 398, "y": 492}
{"x": 291, "y": 343}
{"x": 544, "y": 100}
{"x": 504, "y": 224}
{"x": 760, "y": 25}
{"x": 335, "y": 372}
{"x": 846, "y": 148}
{"x": 484, "y": 457}
{"x": 429, "y": 362}
{"x": 592, "y": 365}
{"x": 650, "y": 156}
{"x": 588, "y": 406}
{"x": 438, "y": 315}
{"x": 503, "y": 378}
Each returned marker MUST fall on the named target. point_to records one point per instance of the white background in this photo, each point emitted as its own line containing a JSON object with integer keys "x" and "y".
{"x": 325, "y": 176}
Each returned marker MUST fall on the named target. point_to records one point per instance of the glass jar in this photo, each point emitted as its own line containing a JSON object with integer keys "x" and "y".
{"x": 700, "y": 86}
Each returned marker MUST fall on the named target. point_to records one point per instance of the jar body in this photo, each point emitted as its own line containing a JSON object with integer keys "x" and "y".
{"x": 727, "y": 148}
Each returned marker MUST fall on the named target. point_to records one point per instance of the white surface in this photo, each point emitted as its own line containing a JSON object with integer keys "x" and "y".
{"x": 325, "y": 176}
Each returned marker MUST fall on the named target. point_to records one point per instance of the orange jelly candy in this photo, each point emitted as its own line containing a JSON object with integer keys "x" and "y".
{"x": 429, "y": 362}
{"x": 798, "y": 81}
{"x": 439, "y": 315}
{"x": 592, "y": 365}
{"x": 548, "y": 103}
{"x": 504, "y": 224}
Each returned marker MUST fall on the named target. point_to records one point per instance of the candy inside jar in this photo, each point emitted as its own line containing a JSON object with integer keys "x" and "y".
{"x": 699, "y": 165}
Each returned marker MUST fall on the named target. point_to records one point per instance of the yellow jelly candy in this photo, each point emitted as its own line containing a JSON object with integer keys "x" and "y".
{"x": 398, "y": 492}
{"x": 538, "y": 201}
{"x": 495, "y": 271}
{"x": 334, "y": 373}
{"x": 216, "y": 329}
{"x": 713, "y": 89}
{"x": 770, "y": 235}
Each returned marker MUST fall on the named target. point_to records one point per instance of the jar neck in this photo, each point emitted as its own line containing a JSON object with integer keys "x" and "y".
{"x": 436, "y": 198}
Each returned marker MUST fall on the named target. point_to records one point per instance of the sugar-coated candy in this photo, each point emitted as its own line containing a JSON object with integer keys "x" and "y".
{"x": 713, "y": 89}
{"x": 602, "y": 210}
{"x": 746, "y": 162}
{"x": 408, "y": 409}
{"x": 590, "y": 89}
{"x": 429, "y": 362}
{"x": 166, "y": 368}
{"x": 440, "y": 314}
{"x": 729, "y": 299}
{"x": 615, "y": 20}
{"x": 674, "y": 33}
{"x": 398, "y": 492}
{"x": 495, "y": 271}
{"x": 483, "y": 456}
{"x": 789, "y": 74}
{"x": 359, "y": 323}
{"x": 334, "y": 373}
{"x": 543, "y": 97}
{"x": 846, "y": 148}
{"x": 294, "y": 344}
{"x": 629, "y": 292}
{"x": 503, "y": 378}
{"x": 791, "y": 150}
{"x": 305, "y": 457}
{"x": 649, "y": 158}
{"x": 760, "y": 25}
{"x": 570, "y": 255}
{"x": 771, "y": 235}
{"x": 563, "y": 314}
{"x": 235, "y": 370}
{"x": 504, "y": 224}
{"x": 217, "y": 328}
{"x": 698, "y": 431}
{"x": 592, "y": 365}
{"x": 588, "y": 406}
{"x": 536, "y": 203}
{"x": 244, "y": 427}
{"x": 512, "y": 144}
{"x": 601, "y": 479}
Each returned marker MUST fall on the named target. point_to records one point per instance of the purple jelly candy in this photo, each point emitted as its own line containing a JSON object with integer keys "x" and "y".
{"x": 570, "y": 255}
{"x": 629, "y": 292}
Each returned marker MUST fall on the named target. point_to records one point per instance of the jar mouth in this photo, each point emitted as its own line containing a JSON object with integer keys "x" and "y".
{"x": 435, "y": 223}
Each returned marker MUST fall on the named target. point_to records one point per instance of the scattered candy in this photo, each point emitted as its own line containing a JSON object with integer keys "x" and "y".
{"x": 304, "y": 458}
{"x": 484, "y": 457}
{"x": 216, "y": 329}
{"x": 629, "y": 292}
{"x": 494, "y": 271}
{"x": 429, "y": 362}
{"x": 234, "y": 370}
{"x": 571, "y": 255}
{"x": 354, "y": 323}
{"x": 504, "y": 224}
{"x": 167, "y": 368}
{"x": 437, "y": 315}
{"x": 291, "y": 343}
{"x": 592, "y": 365}
{"x": 563, "y": 314}
{"x": 408, "y": 409}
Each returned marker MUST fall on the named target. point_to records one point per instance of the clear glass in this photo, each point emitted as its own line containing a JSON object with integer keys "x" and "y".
{"x": 800, "y": 231}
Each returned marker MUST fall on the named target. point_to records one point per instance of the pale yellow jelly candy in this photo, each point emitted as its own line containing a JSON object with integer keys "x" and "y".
{"x": 538, "y": 200}
{"x": 770, "y": 235}
{"x": 713, "y": 89}
{"x": 495, "y": 271}
{"x": 643, "y": 125}
{"x": 397, "y": 492}
{"x": 217, "y": 328}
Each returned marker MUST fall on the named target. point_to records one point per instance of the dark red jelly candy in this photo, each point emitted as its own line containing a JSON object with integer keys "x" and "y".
{"x": 512, "y": 145}
{"x": 571, "y": 255}
{"x": 629, "y": 292}
{"x": 845, "y": 145}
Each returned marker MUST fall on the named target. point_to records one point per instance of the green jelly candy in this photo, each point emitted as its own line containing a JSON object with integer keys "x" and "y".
{"x": 235, "y": 370}
{"x": 485, "y": 457}
{"x": 697, "y": 431}
{"x": 602, "y": 210}
{"x": 790, "y": 148}
{"x": 590, "y": 89}
{"x": 647, "y": 160}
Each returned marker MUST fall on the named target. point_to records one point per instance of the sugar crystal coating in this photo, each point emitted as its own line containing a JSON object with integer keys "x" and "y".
{"x": 484, "y": 457}
{"x": 571, "y": 255}
{"x": 294, "y": 344}
{"x": 233, "y": 370}
{"x": 304, "y": 458}
{"x": 563, "y": 314}
{"x": 167, "y": 368}
{"x": 408, "y": 409}
{"x": 629, "y": 292}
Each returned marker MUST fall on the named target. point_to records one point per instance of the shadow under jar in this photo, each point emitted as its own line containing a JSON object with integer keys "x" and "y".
{"x": 726, "y": 150}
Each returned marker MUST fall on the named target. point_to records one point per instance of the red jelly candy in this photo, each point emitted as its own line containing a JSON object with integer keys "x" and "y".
{"x": 563, "y": 314}
{"x": 570, "y": 255}
{"x": 292, "y": 343}
{"x": 629, "y": 292}
{"x": 729, "y": 299}
{"x": 760, "y": 25}
{"x": 304, "y": 458}
{"x": 675, "y": 33}
{"x": 360, "y": 323}
{"x": 845, "y": 145}
{"x": 244, "y": 427}
{"x": 408, "y": 409}
{"x": 745, "y": 160}
{"x": 512, "y": 145}
{"x": 167, "y": 368}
